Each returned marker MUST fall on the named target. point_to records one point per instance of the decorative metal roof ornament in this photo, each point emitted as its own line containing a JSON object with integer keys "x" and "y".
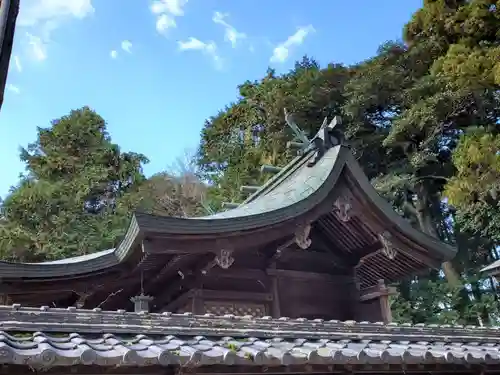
{"x": 300, "y": 136}
{"x": 302, "y": 236}
{"x": 224, "y": 259}
{"x": 343, "y": 208}
{"x": 329, "y": 135}
{"x": 388, "y": 248}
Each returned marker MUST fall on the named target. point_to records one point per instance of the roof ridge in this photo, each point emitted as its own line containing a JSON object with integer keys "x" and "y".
{"x": 71, "y": 319}
{"x": 274, "y": 181}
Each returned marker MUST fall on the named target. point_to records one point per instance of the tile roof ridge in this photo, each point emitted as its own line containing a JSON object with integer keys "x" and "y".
{"x": 16, "y": 317}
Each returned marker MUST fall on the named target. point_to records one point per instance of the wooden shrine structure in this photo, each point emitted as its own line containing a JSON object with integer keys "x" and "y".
{"x": 317, "y": 225}
{"x": 286, "y": 281}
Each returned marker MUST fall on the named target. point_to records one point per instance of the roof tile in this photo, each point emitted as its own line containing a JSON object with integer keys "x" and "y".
{"x": 183, "y": 339}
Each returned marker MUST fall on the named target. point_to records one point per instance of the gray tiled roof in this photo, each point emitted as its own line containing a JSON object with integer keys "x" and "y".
{"x": 75, "y": 337}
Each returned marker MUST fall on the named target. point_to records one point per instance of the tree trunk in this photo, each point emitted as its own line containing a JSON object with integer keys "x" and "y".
{"x": 427, "y": 226}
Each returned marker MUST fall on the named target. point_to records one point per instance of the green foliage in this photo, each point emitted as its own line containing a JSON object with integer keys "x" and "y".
{"x": 422, "y": 306}
{"x": 251, "y": 132}
{"x": 422, "y": 117}
{"x": 405, "y": 110}
{"x": 76, "y": 195}
{"x": 167, "y": 194}
{"x": 475, "y": 188}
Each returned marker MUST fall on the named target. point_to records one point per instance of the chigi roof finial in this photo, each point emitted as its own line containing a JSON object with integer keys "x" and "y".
{"x": 300, "y": 139}
{"x": 329, "y": 135}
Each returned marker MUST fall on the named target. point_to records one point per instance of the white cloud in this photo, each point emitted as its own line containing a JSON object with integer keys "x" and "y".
{"x": 17, "y": 63}
{"x": 209, "y": 49}
{"x": 35, "y": 12}
{"x": 13, "y": 89}
{"x": 113, "y": 54}
{"x": 37, "y": 47}
{"x": 231, "y": 35}
{"x": 41, "y": 17}
{"x": 127, "y": 46}
{"x": 164, "y": 22}
{"x": 282, "y": 51}
{"x": 166, "y": 11}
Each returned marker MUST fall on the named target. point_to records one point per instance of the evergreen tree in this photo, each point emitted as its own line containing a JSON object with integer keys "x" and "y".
{"x": 406, "y": 110}
{"x": 76, "y": 195}
{"x": 252, "y": 132}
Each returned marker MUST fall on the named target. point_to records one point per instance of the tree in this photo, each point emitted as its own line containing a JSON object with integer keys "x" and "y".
{"x": 456, "y": 89}
{"x": 176, "y": 192}
{"x": 475, "y": 189}
{"x": 251, "y": 132}
{"x": 405, "y": 111}
{"x": 76, "y": 195}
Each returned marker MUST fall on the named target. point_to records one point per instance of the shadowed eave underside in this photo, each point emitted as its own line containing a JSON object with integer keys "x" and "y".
{"x": 295, "y": 191}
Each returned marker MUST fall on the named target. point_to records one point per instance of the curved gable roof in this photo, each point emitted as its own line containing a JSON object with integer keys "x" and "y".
{"x": 293, "y": 192}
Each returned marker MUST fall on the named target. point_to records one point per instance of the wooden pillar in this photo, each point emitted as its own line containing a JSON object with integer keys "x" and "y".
{"x": 198, "y": 303}
{"x": 276, "y": 313}
{"x": 275, "y": 304}
{"x": 5, "y": 299}
{"x": 385, "y": 306}
{"x": 374, "y": 303}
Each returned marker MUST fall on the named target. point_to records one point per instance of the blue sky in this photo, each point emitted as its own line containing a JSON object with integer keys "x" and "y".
{"x": 155, "y": 70}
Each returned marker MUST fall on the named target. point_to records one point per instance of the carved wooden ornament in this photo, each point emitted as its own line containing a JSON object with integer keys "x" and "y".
{"x": 224, "y": 259}
{"x": 302, "y": 236}
{"x": 343, "y": 209}
{"x": 388, "y": 248}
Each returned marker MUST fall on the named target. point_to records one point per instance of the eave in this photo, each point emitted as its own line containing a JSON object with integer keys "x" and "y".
{"x": 298, "y": 194}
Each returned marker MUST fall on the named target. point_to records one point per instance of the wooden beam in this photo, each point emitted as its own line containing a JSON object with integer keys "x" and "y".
{"x": 309, "y": 275}
{"x": 212, "y": 242}
{"x": 414, "y": 252}
{"x": 266, "y": 168}
{"x": 377, "y": 291}
{"x": 317, "y": 256}
{"x": 249, "y": 189}
{"x": 168, "y": 270}
{"x": 78, "y": 285}
{"x": 234, "y": 296}
{"x": 178, "y": 302}
{"x": 230, "y": 205}
{"x": 160, "y": 247}
{"x": 189, "y": 280}
{"x": 166, "y": 296}
{"x": 239, "y": 273}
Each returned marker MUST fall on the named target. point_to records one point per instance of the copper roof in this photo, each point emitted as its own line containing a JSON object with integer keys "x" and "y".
{"x": 296, "y": 190}
{"x": 49, "y": 337}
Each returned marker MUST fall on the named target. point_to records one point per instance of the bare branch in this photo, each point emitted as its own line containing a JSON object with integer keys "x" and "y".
{"x": 108, "y": 297}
